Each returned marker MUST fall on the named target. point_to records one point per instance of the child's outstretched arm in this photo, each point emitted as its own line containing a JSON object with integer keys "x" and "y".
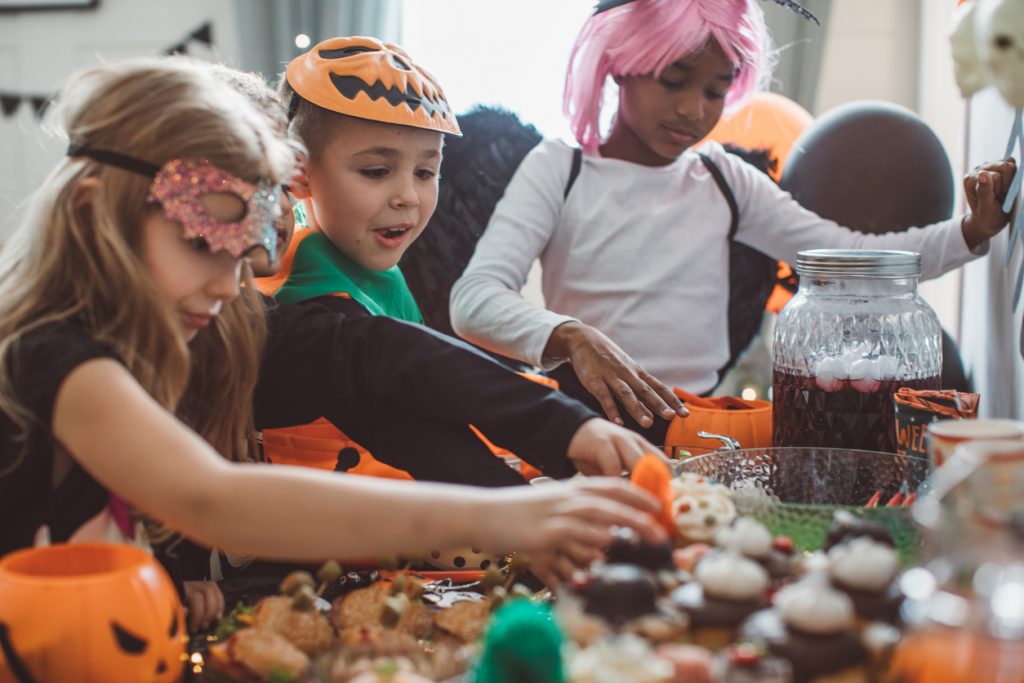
{"x": 488, "y": 310}
{"x": 364, "y": 374}
{"x": 133, "y": 447}
{"x": 985, "y": 189}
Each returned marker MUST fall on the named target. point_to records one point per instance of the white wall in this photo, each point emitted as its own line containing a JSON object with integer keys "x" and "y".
{"x": 38, "y": 50}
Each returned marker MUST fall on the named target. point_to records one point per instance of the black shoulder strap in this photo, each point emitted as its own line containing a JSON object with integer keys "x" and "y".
{"x": 574, "y": 171}
{"x": 730, "y": 198}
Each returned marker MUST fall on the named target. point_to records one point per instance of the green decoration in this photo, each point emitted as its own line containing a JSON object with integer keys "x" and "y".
{"x": 523, "y": 645}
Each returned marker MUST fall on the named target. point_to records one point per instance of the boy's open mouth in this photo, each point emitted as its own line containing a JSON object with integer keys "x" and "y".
{"x": 392, "y": 233}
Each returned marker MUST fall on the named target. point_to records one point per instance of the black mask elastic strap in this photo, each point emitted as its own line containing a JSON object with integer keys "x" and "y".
{"x": 123, "y": 161}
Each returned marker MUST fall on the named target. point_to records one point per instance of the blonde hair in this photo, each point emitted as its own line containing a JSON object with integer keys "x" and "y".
{"x": 70, "y": 260}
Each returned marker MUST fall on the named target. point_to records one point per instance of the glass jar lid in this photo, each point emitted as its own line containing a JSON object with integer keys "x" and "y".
{"x": 858, "y": 263}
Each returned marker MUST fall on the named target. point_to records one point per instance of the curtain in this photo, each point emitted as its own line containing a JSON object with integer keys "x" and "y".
{"x": 268, "y": 28}
{"x": 801, "y": 44}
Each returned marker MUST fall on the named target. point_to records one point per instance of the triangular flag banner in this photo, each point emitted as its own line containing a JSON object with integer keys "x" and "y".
{"x": 204, "y": 34}
{"x": 179, "y": 49}
{"x": 9, "y": 104}
{"x": 39, "y": 104}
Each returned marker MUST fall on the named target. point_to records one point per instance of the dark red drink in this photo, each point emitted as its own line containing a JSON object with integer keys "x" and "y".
{"x": 805, "y": 414}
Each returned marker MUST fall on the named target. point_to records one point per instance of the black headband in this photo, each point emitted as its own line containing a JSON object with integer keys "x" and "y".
{"x": 605, "y": 5}
{"x": 123, "y": 161}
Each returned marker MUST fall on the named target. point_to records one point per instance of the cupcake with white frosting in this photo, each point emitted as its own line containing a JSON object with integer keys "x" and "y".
{"x": 728, "y": 588}
{"x": 866, "y": 571}
{"x": 777, "y": 555}
{"x": 812, "y": 625}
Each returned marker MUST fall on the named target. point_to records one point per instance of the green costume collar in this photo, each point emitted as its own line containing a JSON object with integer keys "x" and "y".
{"x": 319, "y": 269}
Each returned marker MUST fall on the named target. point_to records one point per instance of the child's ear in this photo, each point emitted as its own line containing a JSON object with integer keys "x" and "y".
{"x": 82, "y": 201}
{"x": 299, "y": 185}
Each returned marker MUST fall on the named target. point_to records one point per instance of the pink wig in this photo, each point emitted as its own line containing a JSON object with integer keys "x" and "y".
{"x": 648, "y": 36}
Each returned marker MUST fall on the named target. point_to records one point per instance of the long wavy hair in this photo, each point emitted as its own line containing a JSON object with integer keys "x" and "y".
{"x": 73, "y": 261}
{"x": 646, "y": 37}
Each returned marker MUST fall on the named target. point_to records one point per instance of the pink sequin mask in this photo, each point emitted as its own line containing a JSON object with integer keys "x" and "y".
{"x": 180, "y": 187}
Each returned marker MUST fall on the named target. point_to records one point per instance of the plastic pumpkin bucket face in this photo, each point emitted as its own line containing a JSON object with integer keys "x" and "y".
{"x": 752, "y": 428}
{"x": 88, "y": 612}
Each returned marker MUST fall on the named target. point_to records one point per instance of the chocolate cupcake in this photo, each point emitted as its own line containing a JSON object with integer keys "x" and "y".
{"x": 619, "y": 592}
{"x": 847, "y": 526}
{"x": 778, "y": 556}
{"x": 614, "y": 599}
{"x": 729, "y": 588}
{"x": 628, "y": 548}
{"x": 866, "y": 571}
{"x": 812, "y": 627}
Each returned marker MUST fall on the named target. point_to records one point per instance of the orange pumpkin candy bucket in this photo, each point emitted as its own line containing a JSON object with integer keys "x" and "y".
{"x": 748, "y": 422}
{"x": 88, "y": 613}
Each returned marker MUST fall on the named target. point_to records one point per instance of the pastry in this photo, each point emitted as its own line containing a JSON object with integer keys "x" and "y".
{"x": 728, "y": 588}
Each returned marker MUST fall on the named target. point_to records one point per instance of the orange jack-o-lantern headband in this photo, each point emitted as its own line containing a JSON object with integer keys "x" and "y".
{"x": 368, "y": 79}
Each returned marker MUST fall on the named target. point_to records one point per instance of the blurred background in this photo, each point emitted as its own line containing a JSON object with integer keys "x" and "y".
{"x": 513, "y": 54}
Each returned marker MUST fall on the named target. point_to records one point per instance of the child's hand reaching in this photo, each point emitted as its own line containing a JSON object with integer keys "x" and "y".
{"x": 566, "y": 526}
{"x": 985, "y": 189}
{"x": 601, "y": 448}
{"x": 204, "y": 603}
{"x": 612, "y": 376}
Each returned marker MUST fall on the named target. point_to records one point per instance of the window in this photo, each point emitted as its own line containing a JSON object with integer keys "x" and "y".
{"x": 511, "y": 54}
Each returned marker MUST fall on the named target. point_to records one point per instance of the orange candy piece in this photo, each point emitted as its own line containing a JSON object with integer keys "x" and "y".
{"x": 653, "y": 475}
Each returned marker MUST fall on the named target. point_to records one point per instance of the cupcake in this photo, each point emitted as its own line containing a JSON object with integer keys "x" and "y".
{"x": 628, "y": 548}
{"x": 625, "y": 657}
{"x": 700, "y": 508}
{"x": 847, "y": 526}
{"x": 812, "y": 627}
{"x": 618, "y": 598}
{"x": 729, "y": 587}
{"x": 750, "y": 663}
{"x": 866, "y": 571}
{"x": 778, "y": 556}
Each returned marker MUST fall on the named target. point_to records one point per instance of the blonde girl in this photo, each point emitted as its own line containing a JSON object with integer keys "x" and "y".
{"x": 133, "y": 249}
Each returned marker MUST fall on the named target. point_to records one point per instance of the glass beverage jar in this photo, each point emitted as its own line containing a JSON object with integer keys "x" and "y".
{"x": 855, "y": 332}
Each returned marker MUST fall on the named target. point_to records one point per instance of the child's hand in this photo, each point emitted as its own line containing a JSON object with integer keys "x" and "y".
{"x": 204, "y": 603}
{"x": 985, "y": 189}
{"x": 567, "y": 525}
{"x": 611, "y": 376}
{"x": 554, "y": 568}
{"x": 601, "y": 448}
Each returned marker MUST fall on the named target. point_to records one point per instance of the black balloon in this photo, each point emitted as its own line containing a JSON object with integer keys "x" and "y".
{"x": 871, "y": 166}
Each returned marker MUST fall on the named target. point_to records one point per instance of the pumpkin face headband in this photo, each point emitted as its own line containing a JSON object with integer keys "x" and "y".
{"x": 181, "y": 185}
{"x": 368, "y": 79}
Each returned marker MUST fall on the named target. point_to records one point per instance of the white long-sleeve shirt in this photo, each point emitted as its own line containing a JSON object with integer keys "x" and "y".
{"x": 641, "y": 253}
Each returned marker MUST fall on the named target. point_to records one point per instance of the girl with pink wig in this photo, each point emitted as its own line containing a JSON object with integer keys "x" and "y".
{"x": 636, "y": 257}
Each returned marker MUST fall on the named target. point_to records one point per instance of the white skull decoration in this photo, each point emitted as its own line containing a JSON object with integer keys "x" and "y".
{"x": 988, "y": 48}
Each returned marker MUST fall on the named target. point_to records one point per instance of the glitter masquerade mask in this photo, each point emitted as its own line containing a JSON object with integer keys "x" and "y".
{"x": 180, "y": 186}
